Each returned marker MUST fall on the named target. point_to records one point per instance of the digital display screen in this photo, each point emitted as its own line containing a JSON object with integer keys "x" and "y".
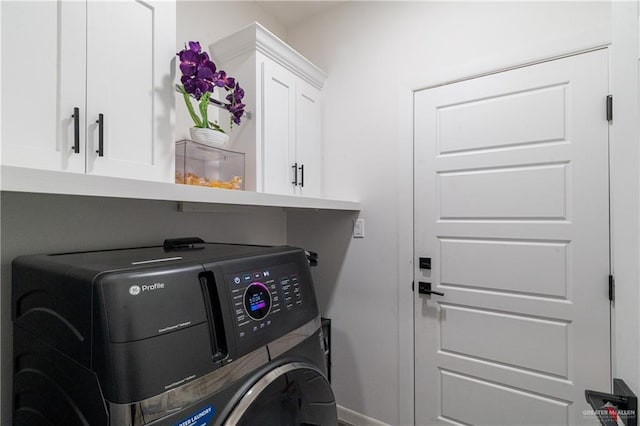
{"x": 257, "y": 300}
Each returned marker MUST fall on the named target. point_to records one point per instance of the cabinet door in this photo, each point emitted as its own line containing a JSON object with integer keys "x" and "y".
{"x": 130, "y": 61}
{"x": 309, "y": 139}
{"x": 43, "y": 80}
{"x": 278, "y": 137}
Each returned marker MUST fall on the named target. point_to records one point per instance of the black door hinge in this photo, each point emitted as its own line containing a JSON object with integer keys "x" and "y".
{"x": 610, "y": 108}
{"x": 612, "y": 288}
{"x": 413, "y": 286}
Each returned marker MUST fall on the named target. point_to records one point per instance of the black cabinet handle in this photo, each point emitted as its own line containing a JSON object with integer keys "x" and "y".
{"x": 301, "y": 168}
{"x": 100, "y": 121}
{"x": 76, "y": 130}
{"x": 295, "y": 174}
{"x": 425, "y": 288}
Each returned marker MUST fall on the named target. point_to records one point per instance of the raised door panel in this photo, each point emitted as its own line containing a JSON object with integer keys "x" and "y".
{"x": 309, "y": 139}
{"x": 43, "y": 80}
{"x": 131, "y": 49}
{"x": 278, "y": 106}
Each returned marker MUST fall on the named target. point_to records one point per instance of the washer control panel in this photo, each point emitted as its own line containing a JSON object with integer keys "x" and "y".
{"x": 262, "y": 298}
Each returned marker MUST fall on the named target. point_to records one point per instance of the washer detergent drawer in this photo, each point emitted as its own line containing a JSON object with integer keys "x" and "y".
{"x": 155, "y": 335}
{"x": 139, "y": 305}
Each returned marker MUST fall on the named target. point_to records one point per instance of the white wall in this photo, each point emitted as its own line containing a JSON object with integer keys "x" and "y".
{"x": 374, "y": 54}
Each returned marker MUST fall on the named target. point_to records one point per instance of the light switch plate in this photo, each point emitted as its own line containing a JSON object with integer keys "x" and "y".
{"x": 358, "y": 228}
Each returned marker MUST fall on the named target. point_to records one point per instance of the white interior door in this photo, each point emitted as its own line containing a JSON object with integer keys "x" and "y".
{"x": 511, "y": 205}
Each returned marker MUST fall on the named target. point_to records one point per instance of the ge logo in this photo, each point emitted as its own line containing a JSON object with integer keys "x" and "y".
{"x": 134, "y": 290}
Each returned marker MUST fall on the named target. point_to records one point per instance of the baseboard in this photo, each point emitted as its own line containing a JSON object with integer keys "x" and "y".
{"x": 354, "y": 418}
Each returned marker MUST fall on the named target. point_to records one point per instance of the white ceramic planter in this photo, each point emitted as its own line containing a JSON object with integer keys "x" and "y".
{"x": 209, "y": 137}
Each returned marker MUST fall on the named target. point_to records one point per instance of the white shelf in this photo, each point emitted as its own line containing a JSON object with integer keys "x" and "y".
{"x": 18, "y": 179}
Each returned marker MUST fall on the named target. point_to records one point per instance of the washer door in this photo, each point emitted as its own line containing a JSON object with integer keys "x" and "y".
{"x": 294, "y": 394}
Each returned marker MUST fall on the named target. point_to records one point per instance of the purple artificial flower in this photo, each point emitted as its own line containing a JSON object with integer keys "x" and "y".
{"x": 235, "y": 97}
{"x": 237, "y": 111}
{"x": 226, "y": 82}
{"x": 188, "y": 62}
{"x": 235, "y": 105}
{"x": 199, "y": 76}
{"x": 239, "y": 93}
{"x": 207, "y": 73}
{"x": 198, "y": 71}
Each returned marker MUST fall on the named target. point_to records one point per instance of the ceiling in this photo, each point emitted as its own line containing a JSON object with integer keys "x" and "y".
{"x": 291, "y": 13}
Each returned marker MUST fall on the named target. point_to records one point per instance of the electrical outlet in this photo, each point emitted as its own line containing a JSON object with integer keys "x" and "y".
{"x": 358, "y": 228}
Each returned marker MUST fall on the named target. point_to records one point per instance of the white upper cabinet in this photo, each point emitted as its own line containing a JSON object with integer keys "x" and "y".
{"x": 278, "y": 121}
{"x": 129, "y": 62}
{"x": 110, "y": 60}
{"x": 308, "y": 139}
{"x": 43, "y": 80}
{"x": 282, "y": 141}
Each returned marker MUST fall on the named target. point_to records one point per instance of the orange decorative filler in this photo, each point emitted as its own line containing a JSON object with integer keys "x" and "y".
{"x": 194, "y": 179}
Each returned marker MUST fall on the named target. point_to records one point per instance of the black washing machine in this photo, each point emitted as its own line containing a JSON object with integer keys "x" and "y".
{"x": 185, "y": 334}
